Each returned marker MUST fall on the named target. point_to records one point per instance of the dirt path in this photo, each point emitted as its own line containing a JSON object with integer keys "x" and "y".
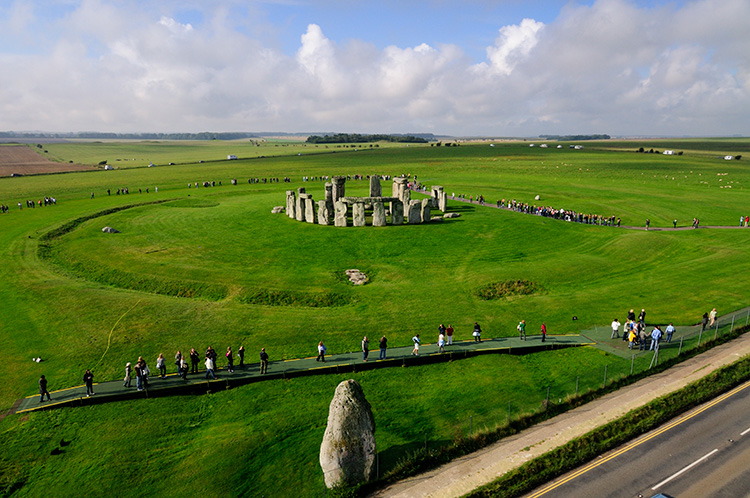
{"x": 467, "y": 473}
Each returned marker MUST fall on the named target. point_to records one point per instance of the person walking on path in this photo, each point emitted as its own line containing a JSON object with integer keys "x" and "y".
{"x": 263, "y": 361}
{"x": 194, "y": 360}
{"x": 365, "y": 348}
{"x": 648, "y": 222}
{"x": 139, "y": 375}
{"x": 441, "y": 329}
{"x": 704, "y": 321}
{"x": 88, "y": 379}
{"x": 642, "y": 318}
{"x": 615, "y": 329}
{"x": 477, "y": 332}
{"x": 161, "y": 366}
{"x": 178, "y": 361}
{"x": 43, "y": 389}
{"x": 241, "y": 354}
{"x": 521, "y": 327}
{"x": 230, "y": 360}
{"x": 674, "y": 223}
{"x": 643, "y": 337}
{"x": 416, "y": 341}
{"x": 441, "y": 343}
{"x": 655, "y": 336}
{"x": 669, "y": 331}
{"x": 712, "y": 317}
{"x": 383, "y": 347}
{"x": 128, "y": 372}
{"x": 210, "y": 368}
{"x": 544, "y": 332}
{"x": 145, "y": 372}
{"x": 321, "y": 352}
{"x": 449, "y": 335}
{"x": 184, "y": 368}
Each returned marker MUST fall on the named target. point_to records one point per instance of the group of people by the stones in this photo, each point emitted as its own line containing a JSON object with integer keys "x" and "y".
{"x": 635, "y": 332}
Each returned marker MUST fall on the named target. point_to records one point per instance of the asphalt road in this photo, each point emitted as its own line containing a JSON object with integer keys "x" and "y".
{"x": 705, "y": 452}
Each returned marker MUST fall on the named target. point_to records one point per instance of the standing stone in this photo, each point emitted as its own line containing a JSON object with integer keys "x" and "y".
{"x": 378, "y": 215}
{"x": 358, "y": 214}
{"x": 424, "y": 213}
{"x": 300, "y": 205}
{"x": 347, "y": 454}
{"x": 443, "y": 202}
{"x": 397, "y": 213}
{"x": 375, "y": 190}
{"x": 414, "y": 215}
{"x": 323, "y": 213}
{"x": 329, "y": 200}
{"x": 309, "y": 209}
{"x": 339, "y": 187}
{"x": 406, "y": 199}
{"x": 399, "y": 186}
{"x": 291, "y": 202}
{"x": 340, "y": 217}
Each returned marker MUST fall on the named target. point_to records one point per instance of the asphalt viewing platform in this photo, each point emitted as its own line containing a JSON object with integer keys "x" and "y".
{"x": 172, "y": 384}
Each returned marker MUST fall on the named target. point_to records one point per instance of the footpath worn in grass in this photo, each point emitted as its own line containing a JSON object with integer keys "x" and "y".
{"x": 263, "y": 280}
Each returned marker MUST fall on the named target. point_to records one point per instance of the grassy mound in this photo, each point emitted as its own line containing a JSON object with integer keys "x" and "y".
{"x": 288, "y": 298}
{"x": 499, "y": 290}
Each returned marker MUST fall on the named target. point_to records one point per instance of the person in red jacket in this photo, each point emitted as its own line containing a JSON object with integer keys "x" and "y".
{"x": 544, "y": 332}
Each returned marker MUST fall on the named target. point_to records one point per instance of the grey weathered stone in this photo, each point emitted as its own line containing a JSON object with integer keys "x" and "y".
{"x": 309, "y": 209}
{"x": 414, "y": 215}
{"x": 397, "y": 213}
{"x": 367, "y": 200}
{"x": 347, "y": 453}
{"x": 378, "y": 215}
{"x": 277, "y": 209}
{"x": 436, "y": 218}
{"x": 451, "y": 215}
{"x": 339, "y": 187}
{"x": 323, "y": 213}
{"x": 329, "y": 200}
{"x": 356, "y": 277}
{"x": 425, "y": 211}
{"x": 406, "y": 199}
{"x": 443, "y": 202}
{"x": 110, "y": 230}
{"x": 375, "y": 190}
{"x": 291, "y": 202}
{"x": 299, "y": 206}
{"x": 340, "y": 216}
{"x": 358, "y": 214}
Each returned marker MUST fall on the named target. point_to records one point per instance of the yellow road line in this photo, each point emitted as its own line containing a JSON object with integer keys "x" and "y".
{"x": 644, "y": 439}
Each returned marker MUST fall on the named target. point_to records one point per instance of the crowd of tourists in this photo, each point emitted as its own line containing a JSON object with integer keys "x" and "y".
{"x": 636, "y": 334}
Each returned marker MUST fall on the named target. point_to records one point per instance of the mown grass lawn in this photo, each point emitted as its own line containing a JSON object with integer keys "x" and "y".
{"x": 222, "y": 242}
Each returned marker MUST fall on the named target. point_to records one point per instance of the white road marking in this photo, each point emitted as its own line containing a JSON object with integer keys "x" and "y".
{"x": 744, "y": 432}
{"x": 677, "y": 474}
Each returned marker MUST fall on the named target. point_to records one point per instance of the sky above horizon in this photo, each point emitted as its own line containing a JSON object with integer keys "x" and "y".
{"x": 474, "y": 68}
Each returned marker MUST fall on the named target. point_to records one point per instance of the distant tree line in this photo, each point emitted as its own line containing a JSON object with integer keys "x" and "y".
{"x": 348, "y": 138}
{"x": 133, "y": 136}
{"x": 576, "y": 138}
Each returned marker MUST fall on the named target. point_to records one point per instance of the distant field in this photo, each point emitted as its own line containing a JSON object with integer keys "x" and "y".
{"x": 24, "y": 160}
{"x": 187, "y": 272}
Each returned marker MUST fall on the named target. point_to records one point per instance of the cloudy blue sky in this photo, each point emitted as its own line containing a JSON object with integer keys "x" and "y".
{"x": 491, "y": 68}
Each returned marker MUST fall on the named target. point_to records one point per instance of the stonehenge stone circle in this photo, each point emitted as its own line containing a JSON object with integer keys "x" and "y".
{"x": 334, "y": 208}
{"x": 347, "y": 453}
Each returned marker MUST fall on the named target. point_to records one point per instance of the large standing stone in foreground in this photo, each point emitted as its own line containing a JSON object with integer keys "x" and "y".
{"x": 323, "y": 213}
{"x": 406, "y": 199}
{"x": 378, "y": 215}
{"x": 397, "y": 213}
{"x": 347, "y": 454}
{"x": 375, "y": 190}
{"x": 414, "y": 215}
{"x": 358, "y": 214}
{"x": 425, "y": 211}
{"x": 443, "y": 201}
{"x": 340, "y": 217}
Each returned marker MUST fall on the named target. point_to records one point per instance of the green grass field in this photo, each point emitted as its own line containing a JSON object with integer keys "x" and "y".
{"x": 184, "y": 273}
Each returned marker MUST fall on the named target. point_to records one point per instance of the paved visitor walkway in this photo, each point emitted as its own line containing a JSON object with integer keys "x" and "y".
{"x": 466, "y": 473}
{"x": 336, "y": 363}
